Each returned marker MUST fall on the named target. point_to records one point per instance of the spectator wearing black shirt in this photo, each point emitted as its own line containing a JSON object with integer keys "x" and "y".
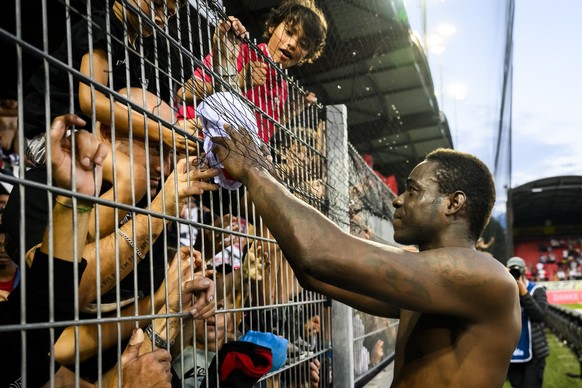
{"x": 69, "y": 218}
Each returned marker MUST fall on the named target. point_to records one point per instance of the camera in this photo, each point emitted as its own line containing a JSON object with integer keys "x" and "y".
{"x": 516, "y": 272}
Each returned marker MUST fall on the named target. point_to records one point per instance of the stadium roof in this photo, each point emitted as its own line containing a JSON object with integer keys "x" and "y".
{"x": 555, "y": 201}
{"x": 377, "y": 68}
{"x": 372, "y": 64}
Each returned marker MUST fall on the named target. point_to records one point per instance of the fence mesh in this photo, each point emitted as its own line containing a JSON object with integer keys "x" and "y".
{"x": 99, "y": 257}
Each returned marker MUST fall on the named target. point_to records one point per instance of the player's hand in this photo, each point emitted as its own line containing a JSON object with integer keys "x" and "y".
{"x": 239, "y": 154}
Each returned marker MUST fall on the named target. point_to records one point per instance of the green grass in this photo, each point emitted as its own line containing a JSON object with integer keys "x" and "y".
{"x": 560, "y": 362}
{"x": 572, "y": 306}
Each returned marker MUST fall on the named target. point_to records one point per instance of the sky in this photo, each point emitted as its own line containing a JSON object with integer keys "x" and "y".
{"x": 547, "y": 78}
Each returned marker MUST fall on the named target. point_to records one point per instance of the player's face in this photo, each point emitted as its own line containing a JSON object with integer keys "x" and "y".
{"x": 286, "y": 45}
{"x": 418, "y": 215}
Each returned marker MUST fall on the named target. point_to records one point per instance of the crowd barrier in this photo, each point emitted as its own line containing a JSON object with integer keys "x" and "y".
{"x": 314, "y": 161}
{"x": 566, "y": 324}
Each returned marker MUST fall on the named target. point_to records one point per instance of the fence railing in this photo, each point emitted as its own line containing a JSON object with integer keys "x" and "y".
{"x": 145, "y": 236}
{"x": 566, "y": 324}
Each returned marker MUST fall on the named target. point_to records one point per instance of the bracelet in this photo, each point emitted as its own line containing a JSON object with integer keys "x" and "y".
{"x": 156, "y": 338}
{"x": 82, "y": 206}
{"x": 130, "y": 242}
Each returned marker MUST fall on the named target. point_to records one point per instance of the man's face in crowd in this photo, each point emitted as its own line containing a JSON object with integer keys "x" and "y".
{"x": 5, "y": 262}
{"x": 3, "y": 202}
{"x": 417, "y": 216}
{"x": 155, "y": 159}
{"x": 4, "y": 258}
{"x": 159, "y": 11}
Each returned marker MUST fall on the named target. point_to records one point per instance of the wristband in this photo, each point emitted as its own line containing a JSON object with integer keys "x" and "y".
{"x": 82, "y": 206}
{"x": 156, "y": 338}
{"x": 130, "y": 242}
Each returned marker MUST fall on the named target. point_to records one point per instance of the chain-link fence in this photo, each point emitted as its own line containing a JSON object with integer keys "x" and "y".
{"x": 101, "y": 250}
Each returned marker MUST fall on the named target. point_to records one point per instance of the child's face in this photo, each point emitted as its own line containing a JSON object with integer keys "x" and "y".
{"x": 216, "y": 328}
{"x": 286, "y": 46}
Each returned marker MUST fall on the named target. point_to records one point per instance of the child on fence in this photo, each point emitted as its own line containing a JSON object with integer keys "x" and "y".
{"x": 296, "y": 33}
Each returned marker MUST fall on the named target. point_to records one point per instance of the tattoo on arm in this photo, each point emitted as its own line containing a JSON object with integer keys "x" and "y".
{"x": 146, "y": 243}
{"x": 122, "y": 267}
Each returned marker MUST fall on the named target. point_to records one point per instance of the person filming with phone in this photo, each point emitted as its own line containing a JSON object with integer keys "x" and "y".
{"x": 529, "y": 358}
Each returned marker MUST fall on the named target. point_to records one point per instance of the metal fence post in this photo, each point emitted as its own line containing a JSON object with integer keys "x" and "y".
{"x": 337, "y": 167}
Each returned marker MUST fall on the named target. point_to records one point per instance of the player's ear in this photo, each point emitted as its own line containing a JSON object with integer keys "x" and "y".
{"x": 455, "y": 202}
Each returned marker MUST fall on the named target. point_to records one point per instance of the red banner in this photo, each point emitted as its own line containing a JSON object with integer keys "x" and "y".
{"x": 564, "y": 296}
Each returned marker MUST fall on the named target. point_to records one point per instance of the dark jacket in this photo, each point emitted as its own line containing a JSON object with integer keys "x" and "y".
{"x": 536, "y": 306}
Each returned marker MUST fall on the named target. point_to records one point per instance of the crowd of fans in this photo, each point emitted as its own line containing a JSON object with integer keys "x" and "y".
{"x": 122, "y": 222}
{"x": 152, "y": 252}
{"x": 123, "y": 236}
{"x": 558, "y": 258}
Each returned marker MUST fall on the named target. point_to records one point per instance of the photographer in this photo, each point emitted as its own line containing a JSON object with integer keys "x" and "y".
{"x": 529, "y": 358}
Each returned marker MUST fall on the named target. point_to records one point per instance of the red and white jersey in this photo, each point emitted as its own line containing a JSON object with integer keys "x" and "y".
{"x": 268, "y": 99}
